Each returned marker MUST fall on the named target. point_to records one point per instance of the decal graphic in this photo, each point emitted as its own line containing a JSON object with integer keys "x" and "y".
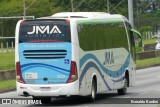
{"x": 43, "y": 29}
{"x": 66, "y": 61}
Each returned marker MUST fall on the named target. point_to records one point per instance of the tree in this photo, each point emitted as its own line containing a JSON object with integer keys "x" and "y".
{"x": 15, "y": 8}
{"x": 90, "y": 5}
{"x": 40, "y": 8}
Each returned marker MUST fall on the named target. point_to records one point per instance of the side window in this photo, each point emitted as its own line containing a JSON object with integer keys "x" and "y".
{"x": 82, "y": 34}
{"x": 87, "y": 34}
{"x": 120, "y": 37}
{"x": 91, "y": 37}
{"x": 102, "y": 36}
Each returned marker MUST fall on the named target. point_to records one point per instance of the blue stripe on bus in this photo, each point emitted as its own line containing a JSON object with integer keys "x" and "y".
{"x": 107, "y": 71}
{"x": 112, "y": 74}
{"x": 89, "y": 65}
{"x": 52, "y": 68}
{"x": 25, "y": 67}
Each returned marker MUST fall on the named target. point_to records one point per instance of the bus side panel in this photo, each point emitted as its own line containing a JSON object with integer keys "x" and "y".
{"x": 132, "y": 73}
{"x": 110, "y": 70}
{"x": 131, "y": 45}
{"x": 104, "y": 52}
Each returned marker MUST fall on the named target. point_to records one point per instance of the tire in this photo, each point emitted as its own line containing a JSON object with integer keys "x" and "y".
{"x": 92, "y": 97}
{"x": 44, "y": 100}
{"x": 123, "y": 90}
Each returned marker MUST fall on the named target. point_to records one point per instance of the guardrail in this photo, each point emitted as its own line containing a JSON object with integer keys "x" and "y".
{"x": 147, "y": 54}
{"x": 149, "y": 34}
{"x": 7, "y": 44}
{"x": 5, "y": 47}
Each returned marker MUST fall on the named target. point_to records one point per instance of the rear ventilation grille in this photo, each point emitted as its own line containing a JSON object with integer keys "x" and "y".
{"x": 44, "y": 54}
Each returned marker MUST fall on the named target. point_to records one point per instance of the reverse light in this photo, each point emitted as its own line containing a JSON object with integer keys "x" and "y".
{"x": 18, "y": 73}
{"x": 73, "y": 73}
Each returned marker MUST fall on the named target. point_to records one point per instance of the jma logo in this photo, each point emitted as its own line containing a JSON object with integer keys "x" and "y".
{"x": 43, "y": 29}
{"x": 109, "y": 59}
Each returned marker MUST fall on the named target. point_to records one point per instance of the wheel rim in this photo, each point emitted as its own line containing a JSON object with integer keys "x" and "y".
{"x": 126, "y": 83}
{"x": 93, "y": 92}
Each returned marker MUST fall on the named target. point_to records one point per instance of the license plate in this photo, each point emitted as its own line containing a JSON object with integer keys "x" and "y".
{"x": 31, "y": 75}
{"x": 45, "y": 88}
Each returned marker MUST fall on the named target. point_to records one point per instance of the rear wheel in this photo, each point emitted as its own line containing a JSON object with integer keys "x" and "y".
{"x": 44, "y": 100}
{"x": 93, "y": 91}
{"x": 123, "y": 90}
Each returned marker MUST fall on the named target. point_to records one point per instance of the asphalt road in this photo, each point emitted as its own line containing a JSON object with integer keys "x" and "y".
{"x": 147, "y": 86}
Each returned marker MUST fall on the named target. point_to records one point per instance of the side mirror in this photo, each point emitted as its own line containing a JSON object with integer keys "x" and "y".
{"x": 139, "y": 37}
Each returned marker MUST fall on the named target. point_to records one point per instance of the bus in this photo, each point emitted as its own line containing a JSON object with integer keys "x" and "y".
{"x": 74, "y": 53}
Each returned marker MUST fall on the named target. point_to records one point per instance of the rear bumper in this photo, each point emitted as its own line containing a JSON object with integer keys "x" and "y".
{"x": 56, "y": 90}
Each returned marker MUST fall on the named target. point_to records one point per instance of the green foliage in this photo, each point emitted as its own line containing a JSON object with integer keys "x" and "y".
{"x": 15, "y": 8}
{"x": 11, "y": 8}
{"x": 146, "y": 28}
{"x": 8, "y": 8}
{"x": 90, "y": 6}
{"x": 41, "y": 8}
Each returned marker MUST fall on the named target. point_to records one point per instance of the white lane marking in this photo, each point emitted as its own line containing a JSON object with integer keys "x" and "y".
{"x": 157, "y": 90}
{"x": 144, "y": 93}
{"x": 106, "y": 102}
{"x": 158, "y": 76}
{"x": 126, "y": 97}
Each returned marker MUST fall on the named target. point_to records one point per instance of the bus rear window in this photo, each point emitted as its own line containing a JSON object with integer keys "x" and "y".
{"x": 45, "y": 31}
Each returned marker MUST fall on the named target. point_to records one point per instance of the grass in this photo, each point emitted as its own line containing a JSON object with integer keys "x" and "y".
{"x": 7, "y": 84}
{"x": 150, "y": 41}
{"x": 7, "y": 61}
{"x": 147, "y": 62}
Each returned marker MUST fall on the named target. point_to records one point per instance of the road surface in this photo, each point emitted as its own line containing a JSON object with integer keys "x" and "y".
{"x": 147, "y": 86}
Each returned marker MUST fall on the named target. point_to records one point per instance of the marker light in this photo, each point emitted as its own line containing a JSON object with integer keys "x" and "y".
{"x": 22, "y": 21}
{"x": 67, "y": 20}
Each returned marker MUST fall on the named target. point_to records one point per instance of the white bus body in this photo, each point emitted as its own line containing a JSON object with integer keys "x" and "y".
{"x": 78, "y": 53}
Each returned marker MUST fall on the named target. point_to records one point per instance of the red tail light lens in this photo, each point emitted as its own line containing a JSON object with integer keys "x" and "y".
{"x": 18, "y": 73}
{"x": 73, "y": 73}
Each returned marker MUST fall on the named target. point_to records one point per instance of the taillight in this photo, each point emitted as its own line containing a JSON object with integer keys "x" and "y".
{"x": 73, "y": 73}
{"x": 18, "y": 73}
